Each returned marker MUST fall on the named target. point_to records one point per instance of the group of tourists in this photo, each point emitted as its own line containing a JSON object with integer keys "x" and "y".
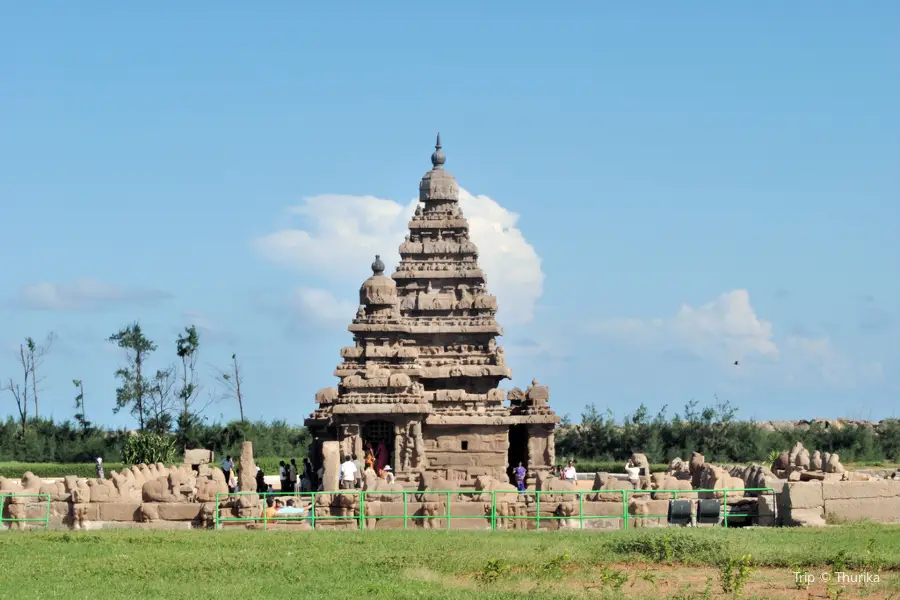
{"x": 375, "y": 461}
{"x": 353, "y": 471}
{"x": 295, "y": 480}
{"x": 291, "y": 480}
{"x": 566, "y": 473}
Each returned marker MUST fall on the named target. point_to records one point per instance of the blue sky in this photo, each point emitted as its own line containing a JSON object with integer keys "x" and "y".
{"x": 695, "y": 184}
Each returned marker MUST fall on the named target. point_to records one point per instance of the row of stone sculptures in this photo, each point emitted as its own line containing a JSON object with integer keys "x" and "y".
{"x": 798, "y": 459}
{"x": 140, "y": 483}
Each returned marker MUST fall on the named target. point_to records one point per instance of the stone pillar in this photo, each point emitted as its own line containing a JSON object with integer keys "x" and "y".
{"x": 398, "y": 459}
{"x": 331, "y": 461}
{"x": 247, "y": 468}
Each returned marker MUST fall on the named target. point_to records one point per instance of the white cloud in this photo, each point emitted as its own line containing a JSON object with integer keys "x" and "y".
{"x": 341, "y": 235}
{"x": 320, "y": 306}
{"x": 818, "y": 359}
{"x": 726, "y": 330}
{"x": 85, "y": 294}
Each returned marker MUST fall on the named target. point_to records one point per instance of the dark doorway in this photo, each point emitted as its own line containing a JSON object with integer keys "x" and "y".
{"x": 379, "y": 433}
{"x": 518, "y": 449}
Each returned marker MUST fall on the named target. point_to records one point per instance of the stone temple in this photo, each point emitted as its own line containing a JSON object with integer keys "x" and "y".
{"x": 422, "y": 375}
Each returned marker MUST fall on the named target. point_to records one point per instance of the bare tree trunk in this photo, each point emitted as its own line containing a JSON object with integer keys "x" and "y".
{"x": 139, "y": 388}
{"x": 36, "y": 356}
{"x": 26, "y": 368}
{"x": 237, "y": 384}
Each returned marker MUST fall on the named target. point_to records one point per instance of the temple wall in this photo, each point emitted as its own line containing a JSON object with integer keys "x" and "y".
{"x": 485, "y": 453}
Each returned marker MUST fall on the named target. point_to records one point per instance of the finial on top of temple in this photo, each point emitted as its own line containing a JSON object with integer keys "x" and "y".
{"x": 437, "y": 158}
{"x": 378, "y": 266}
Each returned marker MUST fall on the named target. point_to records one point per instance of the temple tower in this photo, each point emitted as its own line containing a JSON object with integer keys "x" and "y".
{"x": 422, "y": 378}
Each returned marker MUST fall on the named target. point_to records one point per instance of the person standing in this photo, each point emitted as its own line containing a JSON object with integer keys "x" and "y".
{"x": 283, "y": 476}
{"x": 569, "y": 474}
{"x": 292, "y": 475}
{"x": 348, "y": 474}
{"x": 228, "y": 469}
{"x": 100, "y": 468}
{"x": 309, "y": 474}
{"x": 360, "y": 467}
{"x": 634, "y": 474}
{"x": 520, "y": 472}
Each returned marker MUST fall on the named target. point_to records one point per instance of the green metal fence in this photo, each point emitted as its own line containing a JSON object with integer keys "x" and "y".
{"x": 45, "y": 498}
{"x": 490, "y": 500}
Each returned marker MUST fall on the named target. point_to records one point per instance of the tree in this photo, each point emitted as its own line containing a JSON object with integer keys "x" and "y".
{"x": 232, "y": 383}
{"x": 80, "y": 416}
{"x": 187, "y": 347}
{"x": 134, "y": 388}
{"x": 160, "y": 402}
{"x": 36, "y": 355}
{"x": 20, "y": 393}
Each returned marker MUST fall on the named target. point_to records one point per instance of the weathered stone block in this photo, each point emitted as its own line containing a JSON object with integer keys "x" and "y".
{"x": 171, "y": 511}
{"x": 805, "y": 494}
{"x": 805, "y": 517}
{"x": 120, "y": 511}
{"x": 881, "y": 509}
{"x": 602, "y": 509}
{"x": 835, "y": 490}
{"x": 649, "y": 508}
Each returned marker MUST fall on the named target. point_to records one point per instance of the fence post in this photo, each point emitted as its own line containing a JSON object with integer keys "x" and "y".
{"x": 362, "y": 509}
{"x": 2, "y": 506}
{"x": 47, "y": 514}
{"x": 625, "y": 509}
{"x": 405, "y": 509}
{"x": 537, "y": 494}
{"x": 448, "y": 510}
{"x": 494, "y": 510}
{"x": 581, "y": 508}
{"x": 313, "y": 511}
{"x": 216, "y": 520}
{"x": 725, "y": 507}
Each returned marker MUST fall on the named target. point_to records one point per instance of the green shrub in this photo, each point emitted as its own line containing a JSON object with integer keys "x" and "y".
{"x": 148, "y": 448}
{"x": 672, "y": 546}
{"x": 49, "y": 470}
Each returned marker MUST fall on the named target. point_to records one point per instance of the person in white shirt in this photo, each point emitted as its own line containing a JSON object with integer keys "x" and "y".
{"x": 633, "y": 472}
{"x": 348, "y": 474}
{"x": 388, "y": 474}
{"x": 569, "y": 474}
{"x": 283, "y": 476}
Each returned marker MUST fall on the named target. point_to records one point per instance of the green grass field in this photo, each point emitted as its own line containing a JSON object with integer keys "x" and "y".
{"x": 678, "y": 564}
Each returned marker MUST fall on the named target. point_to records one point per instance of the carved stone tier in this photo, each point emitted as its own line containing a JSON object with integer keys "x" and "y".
{"x": 421, "y": 224}
{"x": 492, "y": 396}
{"x": 440, "y": 419}
{"x": 422, "y": 250}
{"x": 455, "y": 273}
{"x": 381, "y": 409}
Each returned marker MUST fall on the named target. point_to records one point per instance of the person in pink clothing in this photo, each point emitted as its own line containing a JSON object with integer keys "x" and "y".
{"x": 381, "y": 457}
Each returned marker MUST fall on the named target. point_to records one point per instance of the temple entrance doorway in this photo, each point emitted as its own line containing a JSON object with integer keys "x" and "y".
{"x": 518, "y": 449}
{"x": 380, "y": 434}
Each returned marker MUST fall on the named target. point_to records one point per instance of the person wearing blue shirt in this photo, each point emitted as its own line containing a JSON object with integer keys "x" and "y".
{"x": 520, "y": 472}
{"x": 227, "y": 468}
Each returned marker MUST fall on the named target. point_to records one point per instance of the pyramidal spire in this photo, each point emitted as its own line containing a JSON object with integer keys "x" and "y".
{"x": 437, "y": 158}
